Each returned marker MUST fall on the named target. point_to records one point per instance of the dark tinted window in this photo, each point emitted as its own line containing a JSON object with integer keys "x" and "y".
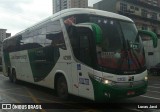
{"x": 44, "y": 36}
{"x": 85, "y": 46}
{"x": 12, "y": 45}
{"x": 47, "y": 34}
{"x": 81, "y": 44}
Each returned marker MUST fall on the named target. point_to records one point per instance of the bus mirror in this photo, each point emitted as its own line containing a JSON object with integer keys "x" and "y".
{"x": 145, "y": 34}
{"x": 97, "y": 31}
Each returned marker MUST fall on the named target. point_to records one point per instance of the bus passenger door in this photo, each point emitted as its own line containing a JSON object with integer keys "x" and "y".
{"x": 86, "y": 58}
{"x": 82, "y": 49}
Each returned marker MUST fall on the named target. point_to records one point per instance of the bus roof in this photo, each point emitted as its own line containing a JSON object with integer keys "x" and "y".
{"x": 92, "y": 11}
{"x": 72, "y": 11}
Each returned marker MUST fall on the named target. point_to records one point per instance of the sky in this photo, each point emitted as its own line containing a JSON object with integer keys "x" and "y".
{"x": 17, "y": 15}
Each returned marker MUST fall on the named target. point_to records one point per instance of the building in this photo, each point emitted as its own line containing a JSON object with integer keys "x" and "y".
{"x": 59, "y": 5}
{"x": 3, "y": 35}
{"x": 152, "y": 2}
{"x": 8, "y": 35}
{"x": 145, "y": 13}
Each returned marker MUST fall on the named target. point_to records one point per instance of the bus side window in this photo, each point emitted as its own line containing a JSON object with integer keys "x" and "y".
{"x": 84, "y": 49}
{"x": 74, "y": 41}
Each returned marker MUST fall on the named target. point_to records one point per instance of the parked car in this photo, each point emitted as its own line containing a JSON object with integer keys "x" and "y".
{"x": 155, "y": 70}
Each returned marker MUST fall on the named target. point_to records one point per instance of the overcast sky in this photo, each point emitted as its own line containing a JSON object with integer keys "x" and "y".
{"x": 17, "y": 15}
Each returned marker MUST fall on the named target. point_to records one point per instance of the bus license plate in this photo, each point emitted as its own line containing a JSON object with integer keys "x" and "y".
{"x": 130, "y": 93}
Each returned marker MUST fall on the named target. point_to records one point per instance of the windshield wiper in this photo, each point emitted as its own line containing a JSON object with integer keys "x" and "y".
{"x": 129, "y": 54}
{"x": 131, "y": 50}
{"x": 125, "y": 54}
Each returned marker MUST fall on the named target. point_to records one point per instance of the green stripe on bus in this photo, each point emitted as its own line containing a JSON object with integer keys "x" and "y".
{"x": 42, "y": 61}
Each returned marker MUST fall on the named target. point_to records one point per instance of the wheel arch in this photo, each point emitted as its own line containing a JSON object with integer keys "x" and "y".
{"x": 57, "y": 75}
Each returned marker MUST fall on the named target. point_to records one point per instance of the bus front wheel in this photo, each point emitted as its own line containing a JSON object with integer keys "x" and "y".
{"x": 62, "y": 88}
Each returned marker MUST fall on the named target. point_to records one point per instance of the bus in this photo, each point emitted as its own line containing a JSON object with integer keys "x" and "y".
{"x": 97, "y": 55}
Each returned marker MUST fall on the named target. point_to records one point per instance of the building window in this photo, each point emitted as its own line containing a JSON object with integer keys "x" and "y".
{"x": 154, "y": 15}
{"x": 154, "y": 30}
{"x": 144, "y": 27}
{"x": 144, "y": 13}
{"x": 131, "y": 7}
{"x": 123, "y": 7}
{"x": 150, "y": 53}
{"x": 136, "y": 8}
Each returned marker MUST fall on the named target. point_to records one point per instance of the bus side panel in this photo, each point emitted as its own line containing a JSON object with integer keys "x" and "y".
{"x": 86, "y": 89}
{"x": 20, "y": 62}
{"x": 42, "y": 61}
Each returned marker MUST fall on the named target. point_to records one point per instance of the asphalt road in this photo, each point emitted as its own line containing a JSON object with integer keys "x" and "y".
{"x": 27, "y": 93}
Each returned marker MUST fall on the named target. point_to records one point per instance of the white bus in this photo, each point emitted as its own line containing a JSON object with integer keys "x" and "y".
{"x": 89, "y": 53}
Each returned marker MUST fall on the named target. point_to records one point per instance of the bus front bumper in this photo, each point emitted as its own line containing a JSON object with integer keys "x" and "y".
{"x": 110, "y": 92}
{"x": 103, "y": 92}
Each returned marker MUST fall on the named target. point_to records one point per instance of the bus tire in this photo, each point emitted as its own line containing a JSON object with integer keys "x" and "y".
{"x": 14, "y": 76}
{"x": 62, "y": 88}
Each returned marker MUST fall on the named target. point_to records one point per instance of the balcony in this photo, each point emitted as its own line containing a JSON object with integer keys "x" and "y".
{"x": 144, "y": 4}
{"x": 145, "y": 17}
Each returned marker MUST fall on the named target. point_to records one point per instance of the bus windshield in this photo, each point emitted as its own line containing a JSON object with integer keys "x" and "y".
{"x": 121, "y": 47}
{"x": 121, "y": 50}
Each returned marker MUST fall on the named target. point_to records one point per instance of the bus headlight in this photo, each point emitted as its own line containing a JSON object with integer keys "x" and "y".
{"x": 103, "y": 80}
{"x": 107, "y": 82}
{"x": 146, "y": 78}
